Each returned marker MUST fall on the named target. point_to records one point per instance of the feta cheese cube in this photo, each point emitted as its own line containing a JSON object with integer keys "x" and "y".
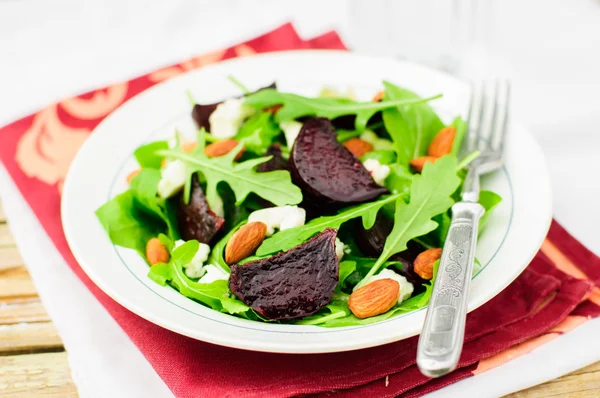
{"x": 282, "y": 217}
{"x": 378, "y": 171}
{"x": 406, "y": 288}
{"x": 228, "y": 117}
{"x": 195, "y": 268}
{"x": 213, "y": 273}
{"x": 340, "y": 248}
{"x": 172, "y": 179}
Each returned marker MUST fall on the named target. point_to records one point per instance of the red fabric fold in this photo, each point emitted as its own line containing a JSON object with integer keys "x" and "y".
{"x": 537, "y": 300}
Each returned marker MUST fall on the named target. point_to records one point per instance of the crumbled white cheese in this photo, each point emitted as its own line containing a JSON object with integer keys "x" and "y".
{"x": 406, "y": 288}
{"x": 378, "y": 171}
{"x": 291, "y": 129}
{"x": 172, "y": 179}
{"x": 195, "y": 268}
{"x": 340, "y": 248}
{"x": 282, "y": 217}
{"x": 213, "y": 273}
{"x": 228, "y": 117}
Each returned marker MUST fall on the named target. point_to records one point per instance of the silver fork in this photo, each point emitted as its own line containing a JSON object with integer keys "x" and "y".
{"x": 441, "y": 340}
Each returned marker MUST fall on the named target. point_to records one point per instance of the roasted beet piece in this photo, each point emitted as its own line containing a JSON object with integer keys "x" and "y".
{"x": 200, "y": 113}
{"x": 371, "y": 242}
{"x": 326, "y": 171}
{"x": 292, "y": 284}
{"x": 195, "y": 219}
{"x": 277, "y": 162}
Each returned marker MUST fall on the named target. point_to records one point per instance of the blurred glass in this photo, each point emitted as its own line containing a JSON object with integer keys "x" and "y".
{"x": 437, "y": 33}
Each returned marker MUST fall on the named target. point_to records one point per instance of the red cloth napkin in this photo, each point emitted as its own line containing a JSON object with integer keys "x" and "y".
{"x": 557, "y": 292}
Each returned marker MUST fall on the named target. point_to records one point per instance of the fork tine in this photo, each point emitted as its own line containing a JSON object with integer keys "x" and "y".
{"x": 474, "y": 116}
{"x": 488, "y": 116}
{"x": 501, "y": 117}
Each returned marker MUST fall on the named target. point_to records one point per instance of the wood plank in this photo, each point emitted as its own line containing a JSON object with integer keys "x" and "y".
{"x": 6, "y": 238}
{"x": 15, "y": 282}
{"x": 29, "y": 337}
{"x": 47, "y": 375}
{"x": 18, "y": 311}
{"x": 9, "y": 257}
{"x": 582, "y": 383}
{"x": 2, "y": 215}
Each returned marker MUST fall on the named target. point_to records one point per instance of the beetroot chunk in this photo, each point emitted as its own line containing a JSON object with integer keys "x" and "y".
{"x": 277, "y": 162}
{"x": 195, "y": 219}
{"x": 326, "y": 171}
{"x": 292, "y": 284}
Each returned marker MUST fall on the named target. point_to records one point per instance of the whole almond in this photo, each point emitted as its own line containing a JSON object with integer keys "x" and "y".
{"x": 375, "y": 298}
{"x": 245, "y": 241}
{"x": 378, "y": 97}
{"x": 156, "y": 252}
{"x": 358, "y": 147}
{"x": 221, "y": 148}
{"x": 442, "y": 143}
{"x": 132, "y": 175}
{"x": 423, "y": 265}
{"x": 417, "y": 164}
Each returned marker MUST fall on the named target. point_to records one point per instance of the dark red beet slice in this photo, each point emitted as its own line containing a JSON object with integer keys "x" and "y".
{"x": 200, "y": 113}
{"x": 292, "y": 284}
{"x": 195, "y": 219}
{"x": 277, "y": 162}
{"x": 326, "y": 171}
{"x": 371, "y": 242}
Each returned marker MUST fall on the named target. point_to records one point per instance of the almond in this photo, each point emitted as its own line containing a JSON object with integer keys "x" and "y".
{"x": 442, "y": 143}
{"x": 418, "y": 163}
{"x": 358, "y": 147}
{"x": 189, "y": 146}
{"x": 221, "y": 148}
{"x": 245, "y": 241}
{"x": 423, "y": 265}
{"x": 375, "y": 298}
{"x": 378, "y": 97}
{"x": 156, "y": 252}
{"x": 132, "y": 175}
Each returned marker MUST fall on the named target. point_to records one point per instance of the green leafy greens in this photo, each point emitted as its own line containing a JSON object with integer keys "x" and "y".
{"x": 285, "y": 240}
{"x": 430, "y": 195}
{"x": 274, "y": 186}
{"x": 295, "y": 106}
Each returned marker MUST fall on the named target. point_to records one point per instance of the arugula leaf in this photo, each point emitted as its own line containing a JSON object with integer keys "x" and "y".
{"x": 383, "y": 156}
{"x": 258, "y": 132}
{"x": 144, "y": 187}
{"x": 146, "y": 154}
{"x": 135, "y": 216}
{"x": 411, "y": 127}
{"x": 345, "y": 135}
{"x": 337, "y": 308}
{"x": 489, "y": 200}
{"x": 459, "y": 136}
{"x": 127, "y": 224}
{"x": 274, "y": 186}
{"x": 429, "y": 196}
{"x": 295, "y": 106}
{"x": 216, "y": 295}
{"x": 286, "y": 239}
{"x": 399, "y": 179}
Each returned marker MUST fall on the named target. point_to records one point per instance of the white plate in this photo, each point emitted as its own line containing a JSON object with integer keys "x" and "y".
{"x": 512, "y": 237}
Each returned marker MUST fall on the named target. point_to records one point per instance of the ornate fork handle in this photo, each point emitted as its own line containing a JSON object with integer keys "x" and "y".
{"x": 441, "y": 341}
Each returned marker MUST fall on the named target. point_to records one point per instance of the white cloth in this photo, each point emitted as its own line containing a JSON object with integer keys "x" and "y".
{"x": 50, "y": 50}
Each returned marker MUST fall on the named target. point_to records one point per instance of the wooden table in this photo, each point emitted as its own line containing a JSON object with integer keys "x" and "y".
{"x": 33, "y": 361}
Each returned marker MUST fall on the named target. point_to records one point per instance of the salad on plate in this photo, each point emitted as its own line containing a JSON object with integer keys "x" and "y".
{"x": 324, "y": 211}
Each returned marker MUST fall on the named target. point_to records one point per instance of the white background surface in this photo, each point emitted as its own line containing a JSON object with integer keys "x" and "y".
{"x": 49, "y": 50}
